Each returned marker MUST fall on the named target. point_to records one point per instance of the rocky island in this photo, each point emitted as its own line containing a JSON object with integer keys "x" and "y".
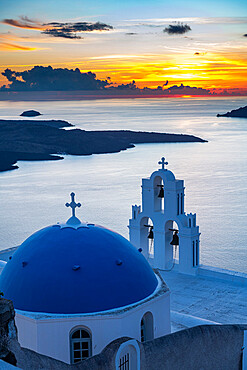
{"x": 240, "y": 112}
{"x": 30, "y": 113}
{"x": 56, "y": 123}
{"x": 46, "y": 140}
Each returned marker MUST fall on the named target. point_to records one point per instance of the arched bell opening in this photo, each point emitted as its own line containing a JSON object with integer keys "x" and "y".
{"x": 147, "y": 237}
{"x": 159, "y": 194}
{"x": 171, "y": 244}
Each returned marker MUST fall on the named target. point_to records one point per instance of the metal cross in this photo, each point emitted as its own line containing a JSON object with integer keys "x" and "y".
{"x": 163, "y": 163}
{"x": 73, "y": 204}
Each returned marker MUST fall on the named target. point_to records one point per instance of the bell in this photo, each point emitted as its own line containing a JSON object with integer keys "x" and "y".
{"x": 151, "y": 233}
{"x": 175, "y": 239}
{"x": 161, "y": 193}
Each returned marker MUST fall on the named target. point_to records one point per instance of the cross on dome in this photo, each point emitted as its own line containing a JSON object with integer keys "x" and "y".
{"x": 73, "y": 204}
{"x": 163, "y": 163}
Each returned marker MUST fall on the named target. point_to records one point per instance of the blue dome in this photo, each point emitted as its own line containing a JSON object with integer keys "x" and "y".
{"x": 61, "y": 269}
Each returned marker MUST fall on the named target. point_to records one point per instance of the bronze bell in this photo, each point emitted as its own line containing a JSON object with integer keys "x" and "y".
{"x": 151, "y": 233}
{"x": 161, "y": 193}
{"x": 175, "y": 239}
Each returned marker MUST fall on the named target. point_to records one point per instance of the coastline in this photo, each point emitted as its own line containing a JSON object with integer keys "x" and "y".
{"x": 45, "y": 140}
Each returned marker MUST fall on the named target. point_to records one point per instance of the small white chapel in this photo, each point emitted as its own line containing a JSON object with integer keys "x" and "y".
{"x": 78, "y": 286}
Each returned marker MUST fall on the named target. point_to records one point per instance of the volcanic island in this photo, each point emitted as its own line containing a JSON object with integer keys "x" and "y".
{"x": 33, "y": 140}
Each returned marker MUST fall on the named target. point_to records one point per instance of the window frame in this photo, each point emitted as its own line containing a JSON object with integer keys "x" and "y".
{"x": 81, "y": 339}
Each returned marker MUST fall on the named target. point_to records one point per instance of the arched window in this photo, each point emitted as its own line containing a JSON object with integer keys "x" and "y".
{"x": 147, "y": 327}
{"x": 80, "y": 345}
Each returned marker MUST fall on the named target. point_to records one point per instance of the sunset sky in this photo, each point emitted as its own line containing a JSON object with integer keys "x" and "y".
{"x": 130, "y": 42}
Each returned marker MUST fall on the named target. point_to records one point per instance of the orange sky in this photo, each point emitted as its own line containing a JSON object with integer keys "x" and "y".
{"x": 208, "y": 71}
{"x": 212, "y": 55}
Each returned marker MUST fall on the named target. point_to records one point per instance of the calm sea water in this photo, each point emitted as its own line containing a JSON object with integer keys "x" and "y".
{"x": 107, "y": 185}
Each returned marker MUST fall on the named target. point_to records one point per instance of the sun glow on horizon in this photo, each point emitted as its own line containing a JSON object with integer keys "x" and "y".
{"x": 211, "y": 55}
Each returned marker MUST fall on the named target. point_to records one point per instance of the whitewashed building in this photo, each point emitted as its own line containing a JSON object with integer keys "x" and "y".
{"x": 78, "y": 286}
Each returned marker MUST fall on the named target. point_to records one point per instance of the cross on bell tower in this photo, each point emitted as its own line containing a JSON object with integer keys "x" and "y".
{"x": 163, "y": 163}
{"x": 73, "y": 204}
{"x": 163, "y": 204}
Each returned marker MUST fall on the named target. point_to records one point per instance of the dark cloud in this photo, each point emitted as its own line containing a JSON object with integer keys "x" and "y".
{"x": 9, "y": 75}
{"x": 80, "y": 26}
{"x": 70, "y": 30}
{"x": 24, "y": 22}
{"x": 58, "y": 33}
{"x": 197, "y": 53}
{"x": 62, "y": 79}
{"x": 177, "y": 29}
{"x": 58, "y": 29}
{"x": 49, "y": 79}
{"x": 187, "y": 90}
{"x": 129, "y": 86}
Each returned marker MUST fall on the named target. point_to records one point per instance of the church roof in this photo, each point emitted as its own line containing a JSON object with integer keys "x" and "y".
{"x": 76, "y": 268}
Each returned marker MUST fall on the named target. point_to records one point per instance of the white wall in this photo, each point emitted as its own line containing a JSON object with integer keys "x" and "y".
{"x": 27, "y": 331}
{"x": 162, "y": 219}
{"x": 51, "y": 336}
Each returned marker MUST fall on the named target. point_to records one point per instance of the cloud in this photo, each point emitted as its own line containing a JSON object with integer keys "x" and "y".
{"x": 195, "y": 20}
{"x": 177, "y": 29}
{"x": 119, "y": 56}
{"x": 187, "y": 90}
{"x": 128, "y": 86}
{"x": 14, "y": 47}
{"x": 58, "y": 33}
{"x": 24, "y": 22}
{"x": 70, "y": 30}
{"x": 58, "y": 29}
{"x": 201, "y": 53}
{"x": 27, "y": 19}
{"x": 48, "y": 79}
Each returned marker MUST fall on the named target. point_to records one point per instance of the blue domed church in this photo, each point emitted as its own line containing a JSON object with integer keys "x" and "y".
{"x": 78, "y": 286}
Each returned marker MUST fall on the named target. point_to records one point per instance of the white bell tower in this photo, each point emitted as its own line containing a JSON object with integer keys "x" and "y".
{"x": 152, "y": 229}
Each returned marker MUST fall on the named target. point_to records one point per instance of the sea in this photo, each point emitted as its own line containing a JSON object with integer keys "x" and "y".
{"x": 215, "y": 175}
